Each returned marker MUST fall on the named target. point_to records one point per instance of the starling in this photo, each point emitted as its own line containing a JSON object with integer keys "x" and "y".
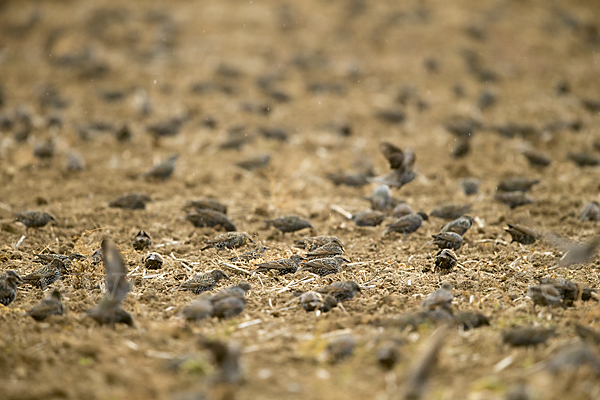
{"x": 348, "y": 179}
{"x": 46, "y": 259}
{"x": 460, "y": 225}
{"x": 47, "y": 275}
{"x": 448, "y": 240}
{"x": 75, "y": 163}
{"x": 537, "y": 158}
{"x": 209, "y": 204}
{"x": 311, "y": 243}
{"x": 310, "y": 301}
{"x": 228, "y": 307}
{"x": 238, "y": 291}
{"x": 572, "y": 357}
{"x": 441, "y": 298}
{"x": 424, "y": 365}
{"x": 401, "y": 210}
{"x": 544, "y": 295}
{"x": 576, "y": 253}
{"x": 396, "y": 178}
{"x": 584, "y": 159}
{"x": 51, "y": 306}
{"x": 230, "y": 240}
{"x": 407, "y": 224}
{"x": 206, "y": 218}
{"x": 44, "y": 151}
{"x": 323, "y": 266}
{"x": 249, "y": 255}
{"x": 526, "y": 336}
{"x": 333, "y": 248}
{"x": 451, "y": 211}
{"x": 368, "y": 218}
{"x": 96, "y": 257}
{"x": 445, "y": 261}
{"x": 153, "y": 261}
{"x": 161, "y": 171}
{"x": 341, "y": 291}
{"x": 513, "y": 199}
{"x": 131, "y": 201}
{"x": 340, "y": 348}
{"x": 34, "y": 219}
{"x": 109, "y": 311}
{"x": 588, "y": 294}
{"x": 253, "y": 163}
{"x": 522, "y": 235}
{"x": 395, "y": 156}
{"x": 462, "y": 148}
{"x": 166, "y": 128}
{"x": 388, "y": 355}
{"x": 197, "y": 310}
{"x": 590, "y": 212}
{"x": 517, "y": 184}
{"x": 381, "y": 199}
{"x": 328, "y": 304}
{"x": 588, "y": 334}
{"x": 471, "y": 320}
{"x": 289, "y": 223}
{"x": 470, "y": 186}
{"x": 9, "y": 283}
{"x": 283, "y": 266}
{"x": 567, "y": 290}
{"x": 227, "y": 359}
{"x": 204, "y": 282}
{"x": 463, "y": 128}
{"x": 142, "y": 241}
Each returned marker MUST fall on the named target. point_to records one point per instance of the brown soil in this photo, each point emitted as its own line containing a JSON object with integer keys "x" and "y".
{"x": 362, "y": 52}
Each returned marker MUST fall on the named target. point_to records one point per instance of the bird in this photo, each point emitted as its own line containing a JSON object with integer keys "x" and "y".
{"x": 206, "y": 203}
{"x": 381, "y": 199}
{"x": 513, "y": 199}
{"x": 204, "y": 282}
{"x": 197, "y": 310}
{"x": 109, "y": 311}
{"x": 388, "y": 355}
{"x": 460, "y": 225}
{"x": 545, "y": 294}
{"x": 238, "y": 291}
{"x": 576, "y": 253}
{"x": 517, "y": 184}
{"x": 153, "y": 261}
{"x": 163, "y": 170}
{"x": 228, "y": 307}
{"x": 207, "y": 218}
{"x": 313, "y": 242}
{"x": 451, "y": 211}
{"x": 445, "y": 261}
{"x": 339, "y": 348}
{"x": 46, "y": 259}
{"x": 47, "y": 275}
{"x": 131, "y": 201}
{"x": 584, "y": 159}
{"x": 227, "y": 359}
{"x": 590, "y": 212}
{"x": 527, "y": 336}
{"x": 47, "y": 307}
{"x": 249, "y": 255}
{"x": 568, "y": 291}
{"x": 471, "y": 320}
{"x": 283, "y": 266}
{"x": 230, "y": 240}
{"x": 401, "y": 209}
{"x": 9, "y": 283}
{"x": 323, "y": 266}
{"x": 256, "y": 162}
{"x": 142, "y": 241}
{"x": 521, "y": 234}
{"x": 333, "y": 248}
{"x": 407, "y": 224}
{"x": 470, "y": 186}
{"x": 311, "y": 300}
{"x": 289, "y": 223}
{"x": 447, "y": 240}
{"x": 348, "y": 179}
{"x": 368, "y": 218}
{"x": 441, "y": 298}
{"x": 34, "y": 219}
{"x": 395, "y": 156}
{"x": 397, "y": 178}
{"x": 341, "y": 291}
{"x": 537, "y": 158}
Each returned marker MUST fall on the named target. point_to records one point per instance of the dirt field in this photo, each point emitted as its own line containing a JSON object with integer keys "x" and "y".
{"x": 323, "y": 72}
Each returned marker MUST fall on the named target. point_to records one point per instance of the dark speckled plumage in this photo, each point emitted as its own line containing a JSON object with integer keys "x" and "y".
{"x": 448, "y": 240}
{"x": 206, "y": 218}
{"x": 34, "y": 219}
{"x": 9, "y": 282}
{"x": 341, "y": 291}
{"x": 283, "y": 266}
{"x": 204, "y": 282}
{"x": 230, "y": 240}
{"x": 47, "y": 275}
{"x": 323, "y": 266}
{"x": 289, "y": 223}
{"x": 50, "y": 306}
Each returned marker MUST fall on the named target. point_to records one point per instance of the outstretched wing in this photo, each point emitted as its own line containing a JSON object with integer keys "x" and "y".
{"x": 117, "y": 286}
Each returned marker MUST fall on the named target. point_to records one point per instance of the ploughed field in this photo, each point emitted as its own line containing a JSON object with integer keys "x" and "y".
{"x": 345, "y": 114}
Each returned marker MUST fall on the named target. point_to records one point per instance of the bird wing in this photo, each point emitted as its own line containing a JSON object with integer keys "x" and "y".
{"x": 117, "y": 286}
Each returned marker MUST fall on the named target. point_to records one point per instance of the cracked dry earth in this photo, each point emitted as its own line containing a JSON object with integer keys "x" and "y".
{"x": 335, "y": 78}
